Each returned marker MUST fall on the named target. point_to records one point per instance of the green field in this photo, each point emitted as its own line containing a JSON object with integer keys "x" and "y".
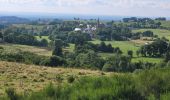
{"x": 159, "y": 32}
{"x": 125, "y": 46}
{"x": 165, "y": 24}
{"x": 43, "y": 37}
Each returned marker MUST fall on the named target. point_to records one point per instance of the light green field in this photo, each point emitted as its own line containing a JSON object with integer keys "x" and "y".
{"x": 125, "y": 46}
{"x": 146, "y": 59}
{"x": 43, "y": 37}
{"x": 159, "y": 32}
{"x": 165, "y": 24}
{"x": 70, "y": 48}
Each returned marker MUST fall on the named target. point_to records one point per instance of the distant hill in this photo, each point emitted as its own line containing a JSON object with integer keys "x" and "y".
{"x": 13, "y": 20}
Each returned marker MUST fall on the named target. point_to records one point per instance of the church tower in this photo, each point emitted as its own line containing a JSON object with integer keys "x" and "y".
{"x": 98, "y": 23}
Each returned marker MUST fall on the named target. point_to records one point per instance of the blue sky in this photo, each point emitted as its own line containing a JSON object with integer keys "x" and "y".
{"x": 90, "y": 7}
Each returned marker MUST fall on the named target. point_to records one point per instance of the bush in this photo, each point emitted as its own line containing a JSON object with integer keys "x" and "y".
{"x": 70, "y": 79}
{"x": 1, "y": 48}
{"x": 11, "y": 94}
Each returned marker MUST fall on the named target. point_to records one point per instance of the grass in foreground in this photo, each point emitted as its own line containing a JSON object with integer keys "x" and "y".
{"x": 30, "y": 78}
{"x": 144, "y": 85}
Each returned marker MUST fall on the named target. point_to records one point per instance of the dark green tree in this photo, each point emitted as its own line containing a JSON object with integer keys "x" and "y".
{"x": 44, "y": 43}
{"x": 58, "y": 48}
{"x": 130, "y": 53}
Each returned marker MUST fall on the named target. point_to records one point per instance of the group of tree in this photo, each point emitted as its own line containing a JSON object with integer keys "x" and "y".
{"x": 161, "y": 19}
{"x": 24, "y": 39}
{"x": 138, "y": 35}
{"x": 102, "y": 47}
{"x": 117, "y": 32}
{"x": 156, "y": 49}
{"x": 78, "y": 37}
{"x": 143, "y": 22}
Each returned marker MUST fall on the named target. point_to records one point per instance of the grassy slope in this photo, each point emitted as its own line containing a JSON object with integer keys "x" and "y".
{"x": 33, "y": 49}
{"x": 32, "y": 78}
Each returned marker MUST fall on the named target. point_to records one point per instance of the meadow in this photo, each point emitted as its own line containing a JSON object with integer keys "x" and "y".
{"x": 128, "y": 45}
{"x": 160, "y": 32}
{"x": 42, "y": 37}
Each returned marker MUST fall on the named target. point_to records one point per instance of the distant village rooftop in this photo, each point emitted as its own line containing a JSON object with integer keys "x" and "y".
{"x": 77, "y": 29}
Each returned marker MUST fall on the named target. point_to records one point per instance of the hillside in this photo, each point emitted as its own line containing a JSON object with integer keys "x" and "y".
{"x": 32, "y": 78}
{"x": 13, "y": 20}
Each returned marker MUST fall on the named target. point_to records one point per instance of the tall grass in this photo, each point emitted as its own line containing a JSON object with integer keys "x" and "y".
{"x": 146, "y": 85}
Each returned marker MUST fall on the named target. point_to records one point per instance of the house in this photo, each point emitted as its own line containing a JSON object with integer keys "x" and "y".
{"x": 77, "y": 29}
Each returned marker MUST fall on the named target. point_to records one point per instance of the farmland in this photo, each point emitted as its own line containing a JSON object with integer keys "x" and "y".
{"x": 160, "y": 32}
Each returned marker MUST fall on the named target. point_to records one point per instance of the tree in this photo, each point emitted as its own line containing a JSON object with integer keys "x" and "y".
{"x": 148, "y": 34}
{"x": 56, "y": 61}
{"x": 102, "y": 47}
{"x": 44, "y": 43}
{"x": 130, "y": 53}
{"x": 156, "y": 49}
{"x": 1, "y": 35}
{"x": 138, "y": 53}
{"x": 167, "y": 57}
{"x": 58, "y": 48}
{"x": 118, "y": 63}
{"x": 89, "y": 59}
{"x": 78, "y": 38}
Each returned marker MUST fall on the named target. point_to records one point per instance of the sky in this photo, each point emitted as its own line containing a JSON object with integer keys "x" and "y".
{"x": 148, "y": 8}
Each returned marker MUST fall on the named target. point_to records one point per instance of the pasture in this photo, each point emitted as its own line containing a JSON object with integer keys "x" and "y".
{"x": 128, "y": 45}
{"x": 160, "y": 32}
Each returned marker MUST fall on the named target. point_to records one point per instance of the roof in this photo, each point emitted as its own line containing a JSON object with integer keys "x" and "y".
{"x": 77, "y": 29}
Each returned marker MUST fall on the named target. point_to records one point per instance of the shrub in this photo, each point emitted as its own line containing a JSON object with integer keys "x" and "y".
{"x": 11, "y": 94}
{"x": 70, "y": 79}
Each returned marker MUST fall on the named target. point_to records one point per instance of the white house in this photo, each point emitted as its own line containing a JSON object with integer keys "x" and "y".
{"x": 77, "y": 29}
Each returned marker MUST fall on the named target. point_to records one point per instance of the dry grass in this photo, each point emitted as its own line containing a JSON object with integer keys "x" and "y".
{"x": 26, "y": 78}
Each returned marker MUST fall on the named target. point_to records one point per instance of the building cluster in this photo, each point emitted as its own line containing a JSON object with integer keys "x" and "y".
{"x": 89, "y": 29}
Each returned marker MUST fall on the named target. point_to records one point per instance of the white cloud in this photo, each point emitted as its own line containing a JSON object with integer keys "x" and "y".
{"x": 106, "y": 7}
